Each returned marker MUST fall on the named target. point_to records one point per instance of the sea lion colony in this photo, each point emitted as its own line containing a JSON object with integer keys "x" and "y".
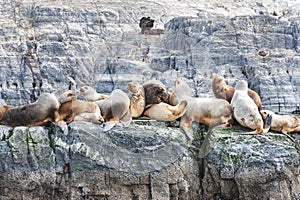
{"x": 151, "y": 101}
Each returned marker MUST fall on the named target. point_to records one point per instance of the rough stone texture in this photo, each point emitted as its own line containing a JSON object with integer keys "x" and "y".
{"x": 149, "y": 161}
{"x": 139, "y": 162}
{"x": 50, "y": 44}
{"x": 251, "y": 166}
{"x": 229, "y": 47}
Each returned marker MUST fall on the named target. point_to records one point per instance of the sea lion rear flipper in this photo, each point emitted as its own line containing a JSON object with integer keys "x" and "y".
{"x": 126, "y": 119}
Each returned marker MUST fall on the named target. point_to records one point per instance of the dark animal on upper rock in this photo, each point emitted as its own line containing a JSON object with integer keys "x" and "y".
{"x": 146, "y": 23}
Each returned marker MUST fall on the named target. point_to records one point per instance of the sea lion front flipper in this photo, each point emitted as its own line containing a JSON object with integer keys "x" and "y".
{"x": 126, "y": 119}
{"x": 64, "y": 127}
{"x": 109, "y": 125}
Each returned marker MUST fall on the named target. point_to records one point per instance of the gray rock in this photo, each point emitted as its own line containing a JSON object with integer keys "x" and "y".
{"x": 251, "y": 166}
{"x": 138, "y": 161}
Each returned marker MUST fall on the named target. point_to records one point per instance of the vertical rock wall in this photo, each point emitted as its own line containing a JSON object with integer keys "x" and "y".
{"x": 48, "y": 45}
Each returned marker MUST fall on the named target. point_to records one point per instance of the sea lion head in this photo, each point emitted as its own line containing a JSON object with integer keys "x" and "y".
{"x": 241, "y": 85}
{"x": 182, "y": 88}
{"x": 3, "y": 109}
{"x": 134, "y": 87}
{"x": 265, "y": 113}
{"x": 219, "y": 86}
{"x": 65, "y": 95}
{"x": 155, "y": 92}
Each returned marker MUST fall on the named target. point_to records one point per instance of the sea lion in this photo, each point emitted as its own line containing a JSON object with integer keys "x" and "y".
{"x": 155, "y": 92}
{"x": 43, "y": 110}
{"x": 3, "y": 109}
{"x": 245, "y": 111}
{"x": 78, "y": 110}
{"x": 91, "y": 94}
{"x": 165, "y": 112}
{"x": 114, "y": 109}
{"x": 223, "y": 91}
{"x": 282, "y": 123}
{"x": 137, "y": 99}
{"x": 64, "y": 95}
{"x": 39, "y": 113}
{"x": 208, "y": 111}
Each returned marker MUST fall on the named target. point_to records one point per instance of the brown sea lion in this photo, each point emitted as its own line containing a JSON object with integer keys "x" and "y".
{"x": 115, "y": 109}
{"x": 3, "y": 109}
{"x": 136, "y": 94}
{"x": 39, "y": 113}
{"x": 165, "y": 112}
{"x": 208, "y": 111}
{"x": 245, "y": 111}
{"x": 223, "y": 91}
{"x": 155, "y": 92}
{"x": 282, "y": 123}
{"x": 90, "y": 94}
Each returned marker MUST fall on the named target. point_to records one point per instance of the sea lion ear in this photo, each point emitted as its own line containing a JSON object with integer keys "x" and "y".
{"x": 177, "y": 81}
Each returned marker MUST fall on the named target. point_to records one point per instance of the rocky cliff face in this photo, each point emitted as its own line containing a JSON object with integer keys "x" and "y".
{"x": 47, "y": 45}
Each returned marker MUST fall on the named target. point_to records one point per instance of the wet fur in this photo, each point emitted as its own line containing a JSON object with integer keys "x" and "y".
{"x": 44, "y": 110}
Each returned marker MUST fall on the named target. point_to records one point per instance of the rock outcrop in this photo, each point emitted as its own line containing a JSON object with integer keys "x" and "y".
{"x": 149, "y": 161}
{"x": 124, "y": 163}
{"x": 46, "y": 45}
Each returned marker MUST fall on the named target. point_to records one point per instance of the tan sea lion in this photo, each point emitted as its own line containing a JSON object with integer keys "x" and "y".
{"x": 245, "y": 111}
{"x": 282, "y": 123}
{"x": 64, "y": 95}
{"x": 136, "y": 94}
{"x": 115, "y": 109}
{"x": 78, "y": 110}
{"x": 155, "y": 92}
{"x": 208, "y": 111}
{"x": 165, "y": 112}
{"x": 90, "y": 94}
{"x": 223, "y": 91}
